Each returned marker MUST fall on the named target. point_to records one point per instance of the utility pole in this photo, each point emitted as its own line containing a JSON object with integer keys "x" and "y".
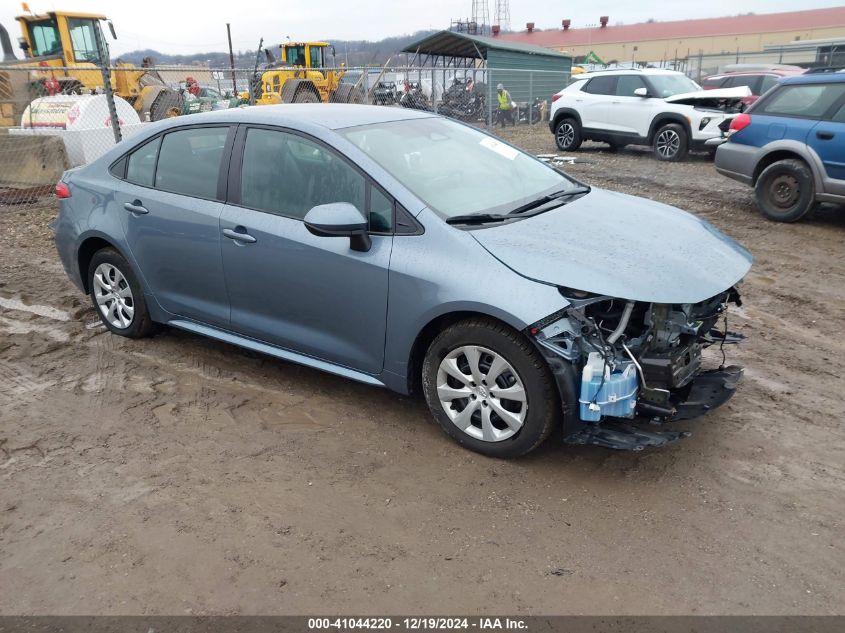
{"x": 232, "y": 59}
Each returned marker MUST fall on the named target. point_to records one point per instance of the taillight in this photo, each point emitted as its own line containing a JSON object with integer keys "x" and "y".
{"x": 62, "y": 190}
{"x": 740, "y": 122}
{"x": 555, "y": 97}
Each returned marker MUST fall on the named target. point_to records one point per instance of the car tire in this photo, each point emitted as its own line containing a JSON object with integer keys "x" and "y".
{"x": 482, "y": 416}
{"x": 568, "y": 135}
{"x": 117, "y": 295}
{"x": 671, "y": 142}
{"x": 785, "y": 190}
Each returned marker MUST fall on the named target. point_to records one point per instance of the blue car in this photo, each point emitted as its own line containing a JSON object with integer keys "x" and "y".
{"x": 790, "y": 145}
{"x": 409, "y": 251}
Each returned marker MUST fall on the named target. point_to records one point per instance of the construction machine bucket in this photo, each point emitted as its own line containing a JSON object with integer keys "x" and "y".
{"x": 30, "y": 166}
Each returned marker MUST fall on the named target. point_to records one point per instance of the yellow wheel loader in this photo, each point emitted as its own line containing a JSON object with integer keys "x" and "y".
{"x": 68, "y": 49}
{"x": 302, "y": 77}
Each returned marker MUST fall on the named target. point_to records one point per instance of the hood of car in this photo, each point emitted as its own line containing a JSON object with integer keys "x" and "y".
{"x": 692, "y": 98}
{"x": 622, "y": 246}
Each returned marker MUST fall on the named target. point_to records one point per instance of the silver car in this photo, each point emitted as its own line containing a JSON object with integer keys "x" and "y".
{"x": 409, "y": 251}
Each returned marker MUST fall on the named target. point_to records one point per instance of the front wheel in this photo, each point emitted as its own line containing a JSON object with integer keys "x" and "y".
{"x": 671, "y": 143}
{"x": 785, "y": 191}
{"x": 490, "y": 389}
{"x": 568, "y": 135}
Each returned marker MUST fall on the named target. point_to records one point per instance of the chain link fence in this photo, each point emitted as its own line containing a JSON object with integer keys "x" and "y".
{"x": 54, "y": 118}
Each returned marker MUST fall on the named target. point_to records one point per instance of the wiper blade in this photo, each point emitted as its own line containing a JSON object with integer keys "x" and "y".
{"x": 558, "y": 195}
{"x": 476, "y": 218}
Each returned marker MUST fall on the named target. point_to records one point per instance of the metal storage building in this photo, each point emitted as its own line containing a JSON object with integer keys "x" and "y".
{"x": 527, "y": 71}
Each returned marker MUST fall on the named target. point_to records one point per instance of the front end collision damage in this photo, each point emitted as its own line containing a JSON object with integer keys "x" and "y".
{"x": 660, "y": 343}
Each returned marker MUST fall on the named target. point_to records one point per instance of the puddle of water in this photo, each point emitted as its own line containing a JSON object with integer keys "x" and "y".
{"x": 45, "y": 311}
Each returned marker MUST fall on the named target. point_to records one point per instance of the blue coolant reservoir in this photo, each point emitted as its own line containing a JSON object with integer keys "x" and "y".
{"x": 616, "y": 396}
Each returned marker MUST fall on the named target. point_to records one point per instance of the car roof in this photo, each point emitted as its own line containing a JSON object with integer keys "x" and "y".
{"x": 628, "y": 71}
{"x": 332, "y": 116}
{"x": 752, "y": 73}
{"x": 815, "y": 78}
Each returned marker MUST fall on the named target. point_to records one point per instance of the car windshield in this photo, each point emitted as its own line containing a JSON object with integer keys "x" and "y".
{"x": 671, "y": 85}
{"x": 455, "y": 169}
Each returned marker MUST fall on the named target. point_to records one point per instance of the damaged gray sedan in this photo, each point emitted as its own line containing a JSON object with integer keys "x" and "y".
{"x": 409, "y": 251}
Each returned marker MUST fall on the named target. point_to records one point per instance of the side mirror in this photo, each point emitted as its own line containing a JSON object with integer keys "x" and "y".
{"x": 642, "y": 92}
{"x": 111, "y": 28}
{"x": 339, "y": 219}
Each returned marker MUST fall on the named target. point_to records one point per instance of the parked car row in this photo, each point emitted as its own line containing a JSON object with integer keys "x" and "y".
{"x": 780, "y": 130}
{"x": 790, "y": 145}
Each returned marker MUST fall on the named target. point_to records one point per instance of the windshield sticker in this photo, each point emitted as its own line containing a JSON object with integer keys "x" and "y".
{"x": 500, "y": 148}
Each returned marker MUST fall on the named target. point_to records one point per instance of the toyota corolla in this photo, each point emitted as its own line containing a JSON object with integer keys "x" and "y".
{"x": 409, "y": 251}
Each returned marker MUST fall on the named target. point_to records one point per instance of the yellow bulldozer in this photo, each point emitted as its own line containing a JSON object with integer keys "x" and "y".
{"x": 302, "y": 76}
{"x": 68, "y": 48}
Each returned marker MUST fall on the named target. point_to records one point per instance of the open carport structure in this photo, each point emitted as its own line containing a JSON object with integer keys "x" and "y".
{"x": 526, "y": 71}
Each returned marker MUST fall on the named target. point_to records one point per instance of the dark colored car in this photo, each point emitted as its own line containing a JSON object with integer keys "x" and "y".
{"x": 385, "y": 93}
{"x": 790, "y": 146}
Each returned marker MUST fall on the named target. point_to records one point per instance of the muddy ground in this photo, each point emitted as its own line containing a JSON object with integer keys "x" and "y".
{"x": 180, "y": 475}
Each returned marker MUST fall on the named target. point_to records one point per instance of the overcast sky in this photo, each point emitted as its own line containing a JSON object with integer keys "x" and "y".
{"x": 175, "y": 26}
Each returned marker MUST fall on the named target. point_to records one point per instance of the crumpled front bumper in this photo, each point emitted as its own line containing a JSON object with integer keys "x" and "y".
{"x": 708, "y": 391}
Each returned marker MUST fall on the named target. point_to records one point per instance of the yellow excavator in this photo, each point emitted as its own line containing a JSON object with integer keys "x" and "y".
{"x": 301, "y": 76}
{"x": 70, "y": 48}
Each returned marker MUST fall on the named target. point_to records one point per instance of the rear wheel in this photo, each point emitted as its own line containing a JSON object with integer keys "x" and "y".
{"x": 568, "y": 135}
{"x": 785, "y": 190}
{"x": 489, "y": 388}
{"x": 117, "y": 296}
{"x": 671, "y": 143}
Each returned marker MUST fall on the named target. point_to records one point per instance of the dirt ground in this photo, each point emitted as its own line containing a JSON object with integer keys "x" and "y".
{"x": 180, "y": 475}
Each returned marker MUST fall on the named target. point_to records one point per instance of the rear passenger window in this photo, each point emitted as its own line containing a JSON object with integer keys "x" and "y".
{"x": 287, "y": 175}
{"x": 141, "y": 165}
{"x": 189, "y": 161}
{"x": 807, "y": 101}
{"x": 601, "y": 86}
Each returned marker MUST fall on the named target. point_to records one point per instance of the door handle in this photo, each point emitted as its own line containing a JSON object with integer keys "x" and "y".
{"x": 239, "y": 236}
{"x": 135, "y": 207}
{"x": 824, "y": 136}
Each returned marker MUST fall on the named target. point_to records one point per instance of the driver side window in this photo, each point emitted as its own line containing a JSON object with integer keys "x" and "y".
{"x": 288, "y": 175}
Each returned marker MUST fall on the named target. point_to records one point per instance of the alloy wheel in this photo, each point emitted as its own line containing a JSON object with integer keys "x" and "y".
{"x": 114, "y": 296}
{"x": 482, "y": 393}
{"x": 668, "y": 143}
{"x": 565, "y": 135}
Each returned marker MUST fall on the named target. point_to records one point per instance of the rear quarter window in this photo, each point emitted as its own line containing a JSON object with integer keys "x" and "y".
{"x": 141, "y": 164}
{"x": 806, "y": 101}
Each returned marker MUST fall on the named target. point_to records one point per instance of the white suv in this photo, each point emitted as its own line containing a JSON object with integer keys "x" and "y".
{"x": 664, "y": 109}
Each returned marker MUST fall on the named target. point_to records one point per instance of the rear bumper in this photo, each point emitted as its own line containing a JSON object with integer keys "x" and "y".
{"x": 737, "y": 161}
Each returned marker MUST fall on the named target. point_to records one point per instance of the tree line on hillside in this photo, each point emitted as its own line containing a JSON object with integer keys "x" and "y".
{"x": 349, "y": 52}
